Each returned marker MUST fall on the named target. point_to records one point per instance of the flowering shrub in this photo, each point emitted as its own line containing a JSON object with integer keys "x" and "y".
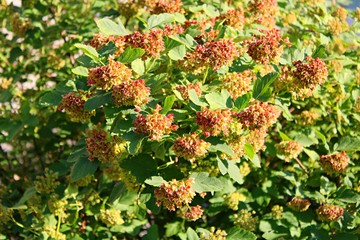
{"x": 169, "y": 119}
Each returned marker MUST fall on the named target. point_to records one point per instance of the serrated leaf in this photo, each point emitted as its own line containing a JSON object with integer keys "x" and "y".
{"x": 177, "y": 53}
{"x": 194, "y": 98}
{"x": 52, "y": 98}
{"x": 160, "y": 19}
{"x": 237, "y": 233}
{"x": 134, "y": 142}
{"x": 138, "y": 66}
{"x": 118, "y": 191}
{"x": 261, "y": 89}
{"x": 222, "y": 147}
{"x": 204, "y": 183}
{"x": 155, "y": 181}
{"x": 82, "y": 168}
{"x": 109, "y": 27}
{"x": 234, "y": 172}
{"x": 141, "y": 166}
{"x": 217, "y": 100}
{"x": 348, "y": 143}
{"x": 348, "y": 196}
{"x": 81, "y": 71}
{"x": 168, "y": 103}
{"x": 88, "y": 50}
{"x": 243, "y": 101}
{"x": 99, "y": 99}
{"x": 131, "y": 54}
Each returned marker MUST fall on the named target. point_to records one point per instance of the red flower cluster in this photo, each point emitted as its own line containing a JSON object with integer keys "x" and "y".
{"x": 233, "y": 18}
{"x": 329, "y": 213}
{"x": 101, "y": 145}
{"x": 184, "y": 90}
{"x": 151, "y": 42}
{"x": 214, "y": 122}
{"x": 175, "y": 194}
{"x": 105, "y": 77}
{"x": 191, "y": 213}
{"x": 131, "y": 93}
{"x": 73, "y": 104}
{"x": 299, "y": 204}
{"x": 213, "y": 54}
{"x": 266, "y": 48}
{"x": 99, "y": 40}
{"x": 154, "y": 125}
{"x": 335, "y": 163}
{"x": 237, "y": 84}
{"x": 264, "y": 12}
{"x": 259, "y": 115}
{"x": 309, "y": 73}
{"x": 191, "y": 147}
{"x": 172, "y": 30}
{"x": 163, "y": 6}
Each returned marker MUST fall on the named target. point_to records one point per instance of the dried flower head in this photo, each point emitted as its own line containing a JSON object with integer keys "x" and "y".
{"x": 233, "y": 18}
{"x": 175, "y": 194}
{"x": 310, "y": 72}
{"x": 191, "y": 147}
{"x": 263, "y": 7}
{"x": 73, "y": 104}
{"x": 266, "y": 48}
{"x": 152, "y": 43}
{"x": 335, "y": 163}
{"x": 164, "y": 6}
{"x": 101, "y": 145}
{"x": 299, "y": 204}
{"x": 154, "y": 125}
{"x": 237, "y": 84}
{"x": 259, "y": 115}
{"x": 214, "y": 122}
{"x": 105, "y": 77}
{"x": 131, "y": 93}
{"x": 184, "y": 90}
{"x": 289, "y": 149}
{"x": 329, "y": 213}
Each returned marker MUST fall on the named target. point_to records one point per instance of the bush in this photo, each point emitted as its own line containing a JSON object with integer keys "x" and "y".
{"x": 179, "y": 120}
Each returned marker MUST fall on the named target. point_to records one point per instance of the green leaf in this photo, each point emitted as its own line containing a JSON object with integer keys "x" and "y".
{"x": 74, "y": 156}
{"x": 261, "y": 89}
{"x": 152, "y": 233}
{"x": 29, "y": 193}
{"x": 88, "y": 50}
{"x": 138, "y": 66}
{"x": 188, "y": 40}
{"x": 134, "y": 142}
{"x": 222, "y": 147}
{"x": 157, "y": 20}
{"x": 172, "y": 228}
{"x": 109, "y": 27}
{"x": 191, "y": 234}
{"x": 131, "y": 54}
{"x": 243, "y": 101}
{"x": 100, "y": 98}
{"x": 141, "y": 166}
{"x": 312, "y": 154}
{"x": 52, "y": 98}
{"x": 82, "y": 168}
{"x": 195, "y": 99}
{"x": 177, "y": 53}
{"x": 320, "y": 52}
{"x": 237, "y": 233}
{"x": 284, "y": 137}
{"x": 217, "y": 100}
{"x": 256, "y": 161}
{"x": 117, "y": 192}
{"x": 234, "y": 172}
{"x": 348, "y": 143}
{"x": 155, "y": 181}
{"x": 168, "y": 103}
{"x": 348, "y": 196}
{"x": 249, "y": 150}
{"x": 204, "y": 183}
{"x": 82, "y": 71}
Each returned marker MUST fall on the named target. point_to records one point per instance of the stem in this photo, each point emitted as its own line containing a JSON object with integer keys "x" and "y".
{"x": 301, "y": 165}
{"x": 205, "y": 75}
{"x": 58, "y": 226}
{"x": 165, "y": 165}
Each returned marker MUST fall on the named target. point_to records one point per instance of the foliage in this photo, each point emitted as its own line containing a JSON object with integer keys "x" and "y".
{"x": 179, "y": 120}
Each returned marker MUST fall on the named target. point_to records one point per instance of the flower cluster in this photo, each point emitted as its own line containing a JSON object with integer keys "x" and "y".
{"x": 259, "y": 115}
{"x": 277, "y": 212}
{"x": 101, "y": 145}
{"x": 299, "y": 204}
{"x": 175, "y": 194}
{"x": 245, "y": 220}
{"x": 99, "y": 40}
{"x": 131, "y": 93}
{"x": 154, "y": 125}
{"x": 233, "y": 18}
{"x": 213, "y": 234}
{"x": 237, "y": 84}
{"x": 266, "y": 48}
{"x": 214, "y": 122}
{"x": 184, "y": 90}
{"x": 73, "y": 104}
{"x": 105, "y": 77}
{"x": 115, "y": 173}
{"x": 308, "y": 74}
{"x": 5, "y": 214}
{"x": 289, "y": 149}
{"x": 329, "y": 213}
{"x": 152, "y": 42}
{"x": 213, "y": 54}
{"x": 191, "y": 147}
{"x": 47, "y": 183}
{"x": 192, "y": 213}
{"x": 53, "y": 233}
{"x": 172, "y": 30}
{"x": 57, "y": 206}
{"x": 263, "y": 7}
{"x": 335, "y": 163}
{"x": 19, "y": 25}
{"x": 307, "y": 117}
{"x": 232, "y": 200}
{"x": 111, "y": 217}
{"x": 129, "y": 8}
{"x": 164, "y": 6}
